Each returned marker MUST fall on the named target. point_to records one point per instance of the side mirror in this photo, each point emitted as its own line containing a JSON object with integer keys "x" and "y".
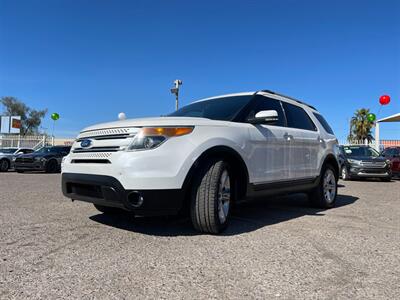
{"x": 265, "y": 117}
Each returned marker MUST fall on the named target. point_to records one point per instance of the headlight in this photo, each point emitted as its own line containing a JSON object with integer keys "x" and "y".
{"x": 353, "y": 161}
{"x": 152, "y": 137}
{"x": 14, "y": 158}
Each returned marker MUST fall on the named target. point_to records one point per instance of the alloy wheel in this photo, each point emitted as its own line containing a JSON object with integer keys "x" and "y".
{"x": 224, "y": 196}
{"x": 329, "y": 186}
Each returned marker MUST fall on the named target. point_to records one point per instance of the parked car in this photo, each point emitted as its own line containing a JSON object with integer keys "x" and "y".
{"x": 8, "y": 155}
{"x": 393, "y": 154}
{"x": 361, "y": 161}
{"x": 205, "y": 157}
{"x": 46, "y": 159}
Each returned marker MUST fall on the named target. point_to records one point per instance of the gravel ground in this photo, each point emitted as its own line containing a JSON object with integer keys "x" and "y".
{"x": 274, "y": 249}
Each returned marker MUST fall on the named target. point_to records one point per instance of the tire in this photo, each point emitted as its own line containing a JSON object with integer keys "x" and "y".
{"x": 108, "y": 210}
{"x": 20, "y": 171}
{"x": 345, "y": 174}
{"x": 387, "y": 179}
{"x": 212, "y": 197}
{"x": 4, "y": 165}
{"x": 51, "y": 166}
{"x": 324, "y": 195}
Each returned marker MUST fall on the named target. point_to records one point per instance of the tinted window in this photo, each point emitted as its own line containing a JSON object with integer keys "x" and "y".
{"x": 224, "y": 109}
{"x": 388, "y": 152}
{"x": 54, "y": 149}
{"x": 297, "y": 117}
{"x": 324, "y": 123}
{"x": 353, "y": 151}
{"x": 263, "y": 103}
{"x": 8, "y": 150}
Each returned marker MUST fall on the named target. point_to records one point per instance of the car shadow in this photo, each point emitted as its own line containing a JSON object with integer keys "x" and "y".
{"x": 246, "y": 217}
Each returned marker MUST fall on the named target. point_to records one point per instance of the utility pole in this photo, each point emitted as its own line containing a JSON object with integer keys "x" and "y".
{"x": 175, "y": 90}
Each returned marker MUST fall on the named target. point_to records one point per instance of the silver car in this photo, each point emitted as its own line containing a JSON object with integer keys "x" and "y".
{"x": 8, "y": 155}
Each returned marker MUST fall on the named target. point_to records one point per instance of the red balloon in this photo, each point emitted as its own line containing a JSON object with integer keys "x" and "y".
{"x": 384, "y": 100}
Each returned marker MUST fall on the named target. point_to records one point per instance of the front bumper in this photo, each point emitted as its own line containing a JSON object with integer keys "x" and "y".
{"x": 108, "y": 191}
{"x": 364, "y": 172}
{"x": 33, "y": 166}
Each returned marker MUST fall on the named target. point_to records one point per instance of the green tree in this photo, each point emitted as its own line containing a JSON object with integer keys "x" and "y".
{"x": 30, "y": 118}
{"x": 360, "y": 127}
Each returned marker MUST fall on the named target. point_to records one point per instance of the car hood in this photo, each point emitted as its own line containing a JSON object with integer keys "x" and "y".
{"x": 33, "y": 155}
{"x": 160, "y": 121}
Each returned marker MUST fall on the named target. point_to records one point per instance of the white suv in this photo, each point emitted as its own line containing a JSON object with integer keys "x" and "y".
{"x": 204, "y": 158}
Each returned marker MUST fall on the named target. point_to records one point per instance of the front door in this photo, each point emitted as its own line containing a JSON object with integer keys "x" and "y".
{"x": 269, "y": 147}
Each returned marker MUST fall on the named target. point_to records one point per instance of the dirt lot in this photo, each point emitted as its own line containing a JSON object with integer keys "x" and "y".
{"x": 277, "y": 248}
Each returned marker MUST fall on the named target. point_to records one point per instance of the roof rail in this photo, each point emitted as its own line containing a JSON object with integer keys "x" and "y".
{"x": 291, "y": 98}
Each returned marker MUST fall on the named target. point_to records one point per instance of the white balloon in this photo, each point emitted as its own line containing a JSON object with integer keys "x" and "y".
{"x": 122, "y": 116}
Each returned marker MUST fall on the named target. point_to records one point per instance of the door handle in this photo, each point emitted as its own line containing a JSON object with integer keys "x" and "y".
{"x": 288, "y": 137}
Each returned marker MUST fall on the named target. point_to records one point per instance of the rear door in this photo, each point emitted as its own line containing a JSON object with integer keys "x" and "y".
{"x": 305, "y": 142}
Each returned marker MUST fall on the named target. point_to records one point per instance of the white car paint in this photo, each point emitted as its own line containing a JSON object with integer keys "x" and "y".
{"x": 270, "y": 153}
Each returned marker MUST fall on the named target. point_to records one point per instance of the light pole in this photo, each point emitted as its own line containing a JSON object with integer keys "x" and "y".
{"x": 175, "y": 90}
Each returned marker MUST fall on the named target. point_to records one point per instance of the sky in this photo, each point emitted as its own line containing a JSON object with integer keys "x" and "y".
{"x": 90, "y": 60}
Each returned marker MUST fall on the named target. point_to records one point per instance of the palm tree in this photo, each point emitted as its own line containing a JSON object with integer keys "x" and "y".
{"x": 360, "y": 127}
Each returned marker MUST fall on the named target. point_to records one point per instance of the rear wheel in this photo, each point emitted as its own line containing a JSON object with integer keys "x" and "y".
{"x": 212, "y": 197}
{"x": 324, "y": 195}
{"x": 387, "y": 179}
{"x": 4, "y": 165}
{"x": 52, "y": 166}
{"x": 20, "y": 171}
{"x": 108, "y": 210}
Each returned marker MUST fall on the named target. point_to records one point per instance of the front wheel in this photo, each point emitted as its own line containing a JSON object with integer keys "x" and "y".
{"x": 212, "y": 198}
{"x": 324, "y": 195}
{"x": 4, "y": 165}
{"x": 52, "y": 166}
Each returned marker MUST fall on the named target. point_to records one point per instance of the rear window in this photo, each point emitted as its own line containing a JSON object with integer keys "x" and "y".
{"x": 324, "y": 123}
{"x": 297, "y": 117}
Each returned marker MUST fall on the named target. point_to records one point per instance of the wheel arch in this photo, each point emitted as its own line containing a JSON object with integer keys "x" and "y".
{"x": 331, "y": 160}
{"x": 235, "y": 160}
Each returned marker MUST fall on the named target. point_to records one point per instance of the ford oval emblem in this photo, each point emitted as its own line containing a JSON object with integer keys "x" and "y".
{"x": 86, "y": 143}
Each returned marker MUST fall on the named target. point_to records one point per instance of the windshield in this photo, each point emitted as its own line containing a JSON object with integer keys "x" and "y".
{"x": 353, "y": 151}
{"x": 223, "y": 109}
{"x": 8, "y": 150}
{"x": 52, "y": 150}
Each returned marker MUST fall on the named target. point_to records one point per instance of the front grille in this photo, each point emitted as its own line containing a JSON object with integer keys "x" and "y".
{"x": 112, "y": 133}
{"x": 374, "y": 171}
{"x": 90, "y": 161}
{"x": 97, "y": 149}
{"x": 373, "y": 164}
{"x": 106, "y": 137}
